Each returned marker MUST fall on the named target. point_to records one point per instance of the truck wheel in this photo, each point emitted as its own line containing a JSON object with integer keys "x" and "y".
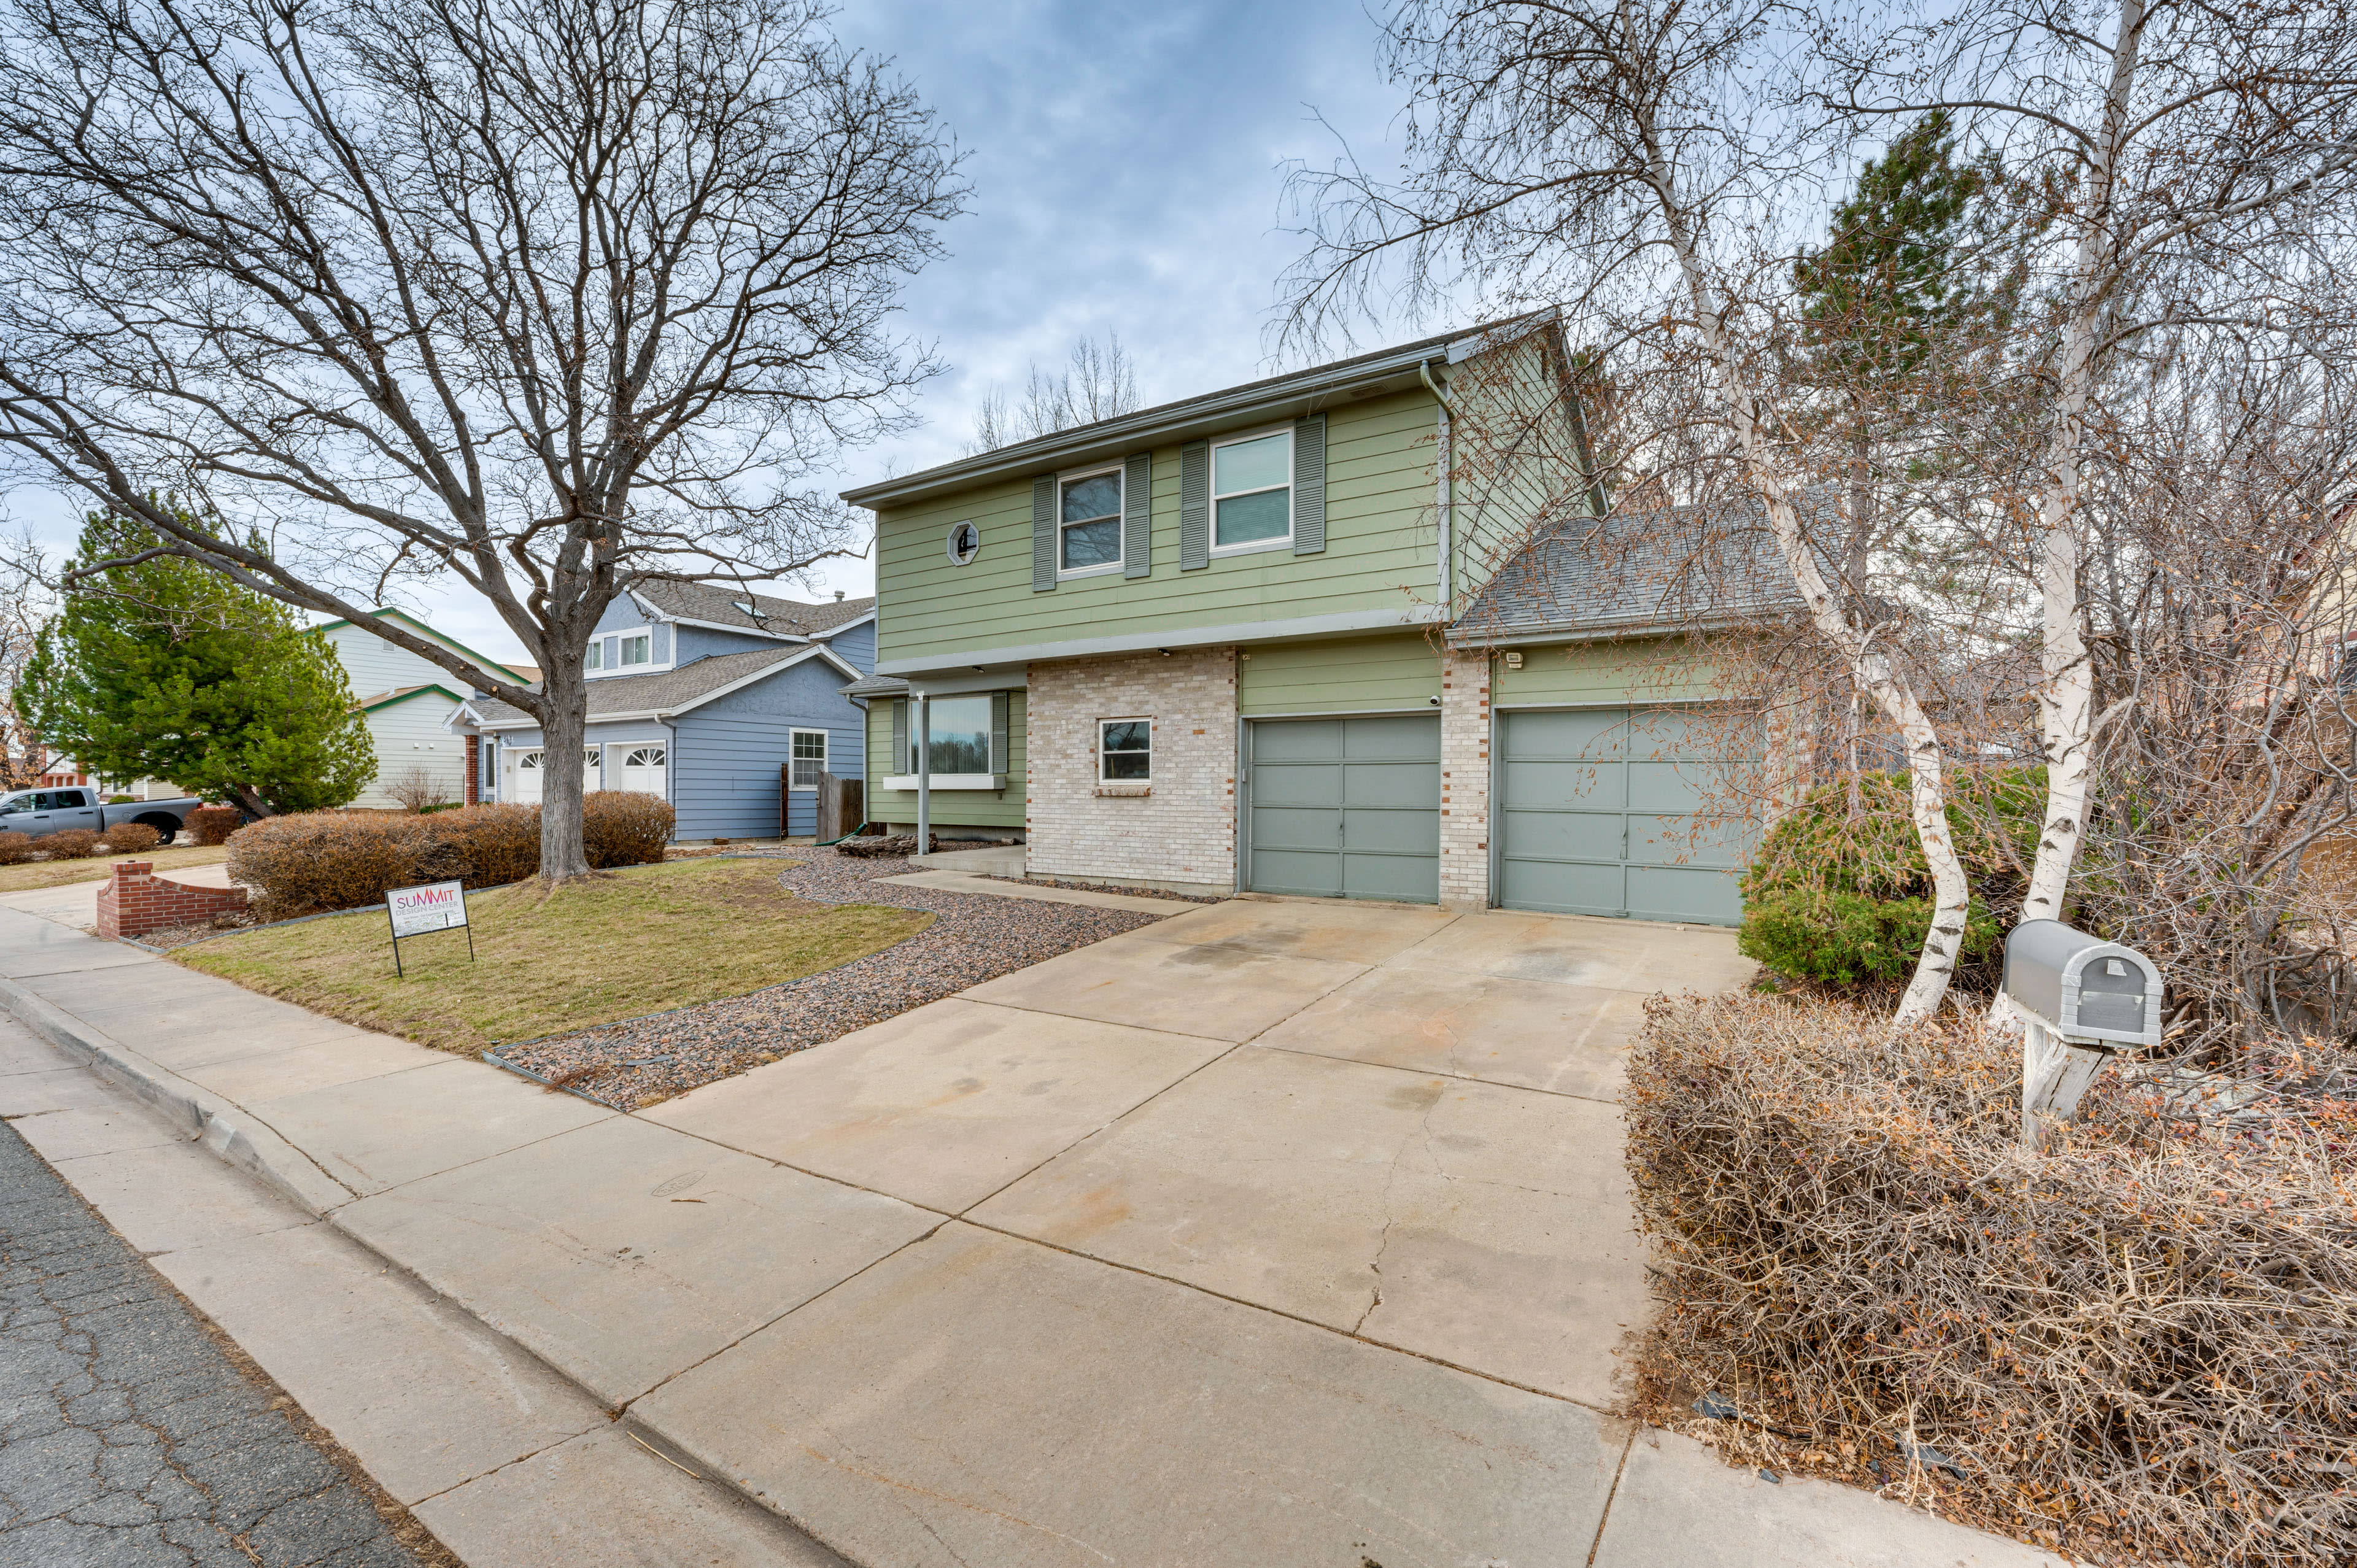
{"x": 167, "y": 826}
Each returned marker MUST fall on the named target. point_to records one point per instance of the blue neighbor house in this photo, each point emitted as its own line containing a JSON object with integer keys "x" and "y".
{"x": 706, "y": 696}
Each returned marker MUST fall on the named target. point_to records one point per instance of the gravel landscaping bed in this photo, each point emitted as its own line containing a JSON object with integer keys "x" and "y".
{"x": 1068, "y": 883}
{"x": 974, "y": 937}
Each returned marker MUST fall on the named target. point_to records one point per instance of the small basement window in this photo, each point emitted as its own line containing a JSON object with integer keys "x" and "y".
{"x": 1124, "y": 751}
{"x": 809, "y": 758}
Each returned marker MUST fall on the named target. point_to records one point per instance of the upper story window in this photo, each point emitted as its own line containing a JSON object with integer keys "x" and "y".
{"x": 1251, "y": 491}
{"x": 1089, "y": 523}
{"x": 638, "y": 650}
{"x": 596, "y": 658}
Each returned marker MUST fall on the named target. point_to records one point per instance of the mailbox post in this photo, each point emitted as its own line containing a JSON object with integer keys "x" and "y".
{"x": 2081, "y": 999}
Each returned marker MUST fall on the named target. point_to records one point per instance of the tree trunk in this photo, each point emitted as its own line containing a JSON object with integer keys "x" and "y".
{"x": 250, "y": 800}
{"x": 564, "y": 721}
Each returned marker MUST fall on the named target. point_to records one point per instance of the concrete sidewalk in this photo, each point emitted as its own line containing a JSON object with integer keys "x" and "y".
{"x": 1275, "y": 1233}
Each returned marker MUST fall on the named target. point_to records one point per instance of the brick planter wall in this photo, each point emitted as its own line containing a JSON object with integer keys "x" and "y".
{"x": 138, "y": 901}
{"x": 1181, "y": 829}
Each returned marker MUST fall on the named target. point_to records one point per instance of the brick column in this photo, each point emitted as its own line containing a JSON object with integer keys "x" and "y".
{"x": 1465, "y": 780}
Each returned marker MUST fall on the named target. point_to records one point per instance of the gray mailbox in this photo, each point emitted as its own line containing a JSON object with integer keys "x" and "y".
{"x": 2083, "y": 987}
{"x": 2081, "y": 998}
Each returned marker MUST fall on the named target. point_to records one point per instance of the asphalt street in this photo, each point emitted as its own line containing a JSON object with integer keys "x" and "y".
{"x": 129, "y": 1439}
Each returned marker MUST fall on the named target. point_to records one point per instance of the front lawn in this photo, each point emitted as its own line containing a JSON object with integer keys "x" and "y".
{"x": 620, "y": 945}
{"x": 36, "y": 874}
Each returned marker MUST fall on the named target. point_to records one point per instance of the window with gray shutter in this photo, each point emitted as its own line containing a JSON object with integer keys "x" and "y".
{"x": 998, "y": 732}
{"x": 1137, "y": 516}
{"x": 1195, "y": 507}
{"x": 1310, "y": 485}
{"x": 1043, "y": 535}
{"x": 899, "y": 736}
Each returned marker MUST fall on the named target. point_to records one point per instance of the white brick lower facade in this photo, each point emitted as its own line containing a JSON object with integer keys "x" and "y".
{"x": 1183, "y": 829}
{"x": 1464, "y": 780}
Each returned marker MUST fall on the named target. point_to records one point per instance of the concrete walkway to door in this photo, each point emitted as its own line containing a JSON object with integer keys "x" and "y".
{"x": 1277, "y": 1232}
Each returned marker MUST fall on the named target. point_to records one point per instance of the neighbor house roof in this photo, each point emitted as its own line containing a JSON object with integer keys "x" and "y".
{"x": 740, "y": 610}
{"x": 422, "y": 629}
{"x": 402, "y": 694}
{"x": 664, "y": 692}
{"x": 1681, "y": 568}
{"x": 1298, "y": 391}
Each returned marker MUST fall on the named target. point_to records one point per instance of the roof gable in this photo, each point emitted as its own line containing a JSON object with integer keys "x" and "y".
{"x": 422, "y": 629}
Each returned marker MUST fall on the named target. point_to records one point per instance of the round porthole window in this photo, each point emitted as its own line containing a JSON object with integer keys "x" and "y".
{"x": 964, "y": 543}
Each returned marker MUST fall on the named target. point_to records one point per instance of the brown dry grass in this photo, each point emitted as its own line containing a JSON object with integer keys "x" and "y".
{"x": 2138, "y": 1341}
{"x": 618, "y": 945}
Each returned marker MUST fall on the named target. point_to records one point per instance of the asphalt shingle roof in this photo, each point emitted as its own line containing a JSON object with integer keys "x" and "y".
{"x": 663, "y": 692}
{"x": 721, "y": 604}
{"x": 1679, "y": 568}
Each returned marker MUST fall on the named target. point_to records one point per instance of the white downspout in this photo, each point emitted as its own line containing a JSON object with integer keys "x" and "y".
{"x": 924, "y": 728}
{"x": 1445, "y": 496}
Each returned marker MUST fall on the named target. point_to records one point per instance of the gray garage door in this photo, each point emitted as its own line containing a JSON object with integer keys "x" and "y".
{"x": 1621, "y": 812}
{"x": 1347, "y": 807}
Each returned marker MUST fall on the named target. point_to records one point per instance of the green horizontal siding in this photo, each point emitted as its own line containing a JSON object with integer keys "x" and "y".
{"x": 1652, "y": 669}
{"x": 952, "y": 808}
{"x": 1380, "y": 540}
{"x": 1340, "y": 675}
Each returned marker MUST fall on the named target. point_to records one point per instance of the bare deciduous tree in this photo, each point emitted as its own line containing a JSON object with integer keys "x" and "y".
{"x": 1097, "y": 383}
{"x": 555, "y": 299}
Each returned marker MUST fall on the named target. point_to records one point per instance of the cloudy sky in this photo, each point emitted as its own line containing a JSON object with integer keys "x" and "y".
{"x": 1128, "y": 164}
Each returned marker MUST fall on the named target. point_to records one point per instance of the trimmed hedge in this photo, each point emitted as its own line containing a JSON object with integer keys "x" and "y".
{"x": 71, "y": 843}
{"x": 211, "y": 824}
{"x": 16, "y": 848}
{"x": 132, "y": 838}
{"x": 307, "y": 863}
{"x": 1844, "y": 898}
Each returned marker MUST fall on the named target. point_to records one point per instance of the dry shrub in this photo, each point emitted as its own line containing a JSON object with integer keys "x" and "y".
{"x": 211, "y": 824}
{"x": 313, "y": 861}
{"x": 418, "y": 790}
{"x": 2144, "y": 1334}
{"x": 16, "y": 848}
{"x": 132, "y": 838}
{"x": 71, "y": 843}
{"x": 624, "y": 827}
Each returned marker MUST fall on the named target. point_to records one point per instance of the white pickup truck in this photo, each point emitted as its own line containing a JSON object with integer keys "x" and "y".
{"x": 38, "y": 811}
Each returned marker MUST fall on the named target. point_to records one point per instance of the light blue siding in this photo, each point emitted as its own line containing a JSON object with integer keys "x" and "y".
{"x": 726, "y": 763}
{"x": 857, "y": 646}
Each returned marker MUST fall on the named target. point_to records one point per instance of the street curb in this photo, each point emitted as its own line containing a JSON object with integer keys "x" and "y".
{"x": 229, "y": 1131}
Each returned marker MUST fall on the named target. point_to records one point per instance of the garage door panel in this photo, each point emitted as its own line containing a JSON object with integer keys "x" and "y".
{"x": 1298, "y": 740}
{"x": 1590, "y": 733}
{"x": 1563, "y": 836}
{"x": 1391, "y": 833}
{"x": 1644, "y": 831}
{"x": 1346, "y": 808}
{"x": 1682, "y": 893}
{"x": 1278, "y": 827}
{"x": 1674, "y": 839}
{"x": 1562, "y": 890}
{"x": 1412, "y": 786}
{"x": 1409, "y": 738}
{"x": 1317, "y": 786}
{"x": 1559, "y": 783}
{"x": 1295, "y": 871}
{"x": 1407, "y": 878}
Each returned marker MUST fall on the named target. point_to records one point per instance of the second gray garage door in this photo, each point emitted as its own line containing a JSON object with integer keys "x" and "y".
{"x": 1630, "y": 811}
{"x": 1346, "y": 808}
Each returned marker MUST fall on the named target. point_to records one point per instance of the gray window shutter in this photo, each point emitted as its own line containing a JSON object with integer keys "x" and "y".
{"x": 899, "y": 735}
{"x": 998, "y": 732}
{"x": 1137, "y": 515}
{"x": 1310, "y": 485}
{"x": 1043, "y": 535}
{"x": 1195, "y": 507}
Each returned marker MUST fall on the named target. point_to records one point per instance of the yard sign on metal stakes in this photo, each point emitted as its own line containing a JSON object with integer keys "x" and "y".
{"x": 436, "y": 907}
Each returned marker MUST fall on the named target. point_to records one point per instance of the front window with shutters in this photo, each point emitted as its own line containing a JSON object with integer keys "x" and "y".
{"x": 960, "y": 728}
{"x": 1088, "y": 528}
{"x": 1251, "y": 492}
{"x": 810, "y": 759}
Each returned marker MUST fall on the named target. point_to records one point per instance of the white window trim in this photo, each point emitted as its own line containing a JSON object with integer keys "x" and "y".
{"x": 652, "y": 666}
{"x": 793, "y": 735}
{"x": 1120, "y": 519}
{"x": 1130, "y": 719}
{"x": 1211, "y": 472}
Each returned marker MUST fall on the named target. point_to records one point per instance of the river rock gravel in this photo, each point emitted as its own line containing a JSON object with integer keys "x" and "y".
{"x": 974, "y": 937}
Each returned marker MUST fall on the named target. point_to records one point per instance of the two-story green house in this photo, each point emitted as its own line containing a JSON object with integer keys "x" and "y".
{"x": 1246, "y": 642}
